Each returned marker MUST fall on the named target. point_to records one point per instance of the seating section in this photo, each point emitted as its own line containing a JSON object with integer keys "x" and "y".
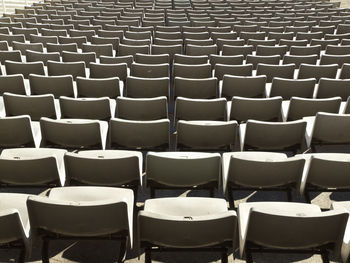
{"x": 104, "y": 101}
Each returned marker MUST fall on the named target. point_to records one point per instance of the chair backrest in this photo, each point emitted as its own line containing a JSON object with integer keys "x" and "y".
{"x": 200, "y": 109}
{"x": 261, "y": 169}
{"x": 24, "y": 68}
{"x": 199, "y": 71}
{"x": 150, "y": 70}
{"x": 273, "y": 71}
{"x": 87, "y": 57}
{"x": 35, "y": 106}
{"x": 274, "y": 135}
{"x": 263, "y": 109}
{"x": 31, "y": 167}
{"x": 331, "y": 128}
{"x": 303, "y": 107}
{"x": 57, "y": 85}
{"x": 13, "y": 84}
{"x": 75, "y": 69}
{"x": 85, "y": 108}
{"x": 142, "y": 108}
{"x": 139, "y": 134}
{"x": 96, "y": 88}
{"x": 299, "y": 231}
{"x": 33, "y": 56}
{"x": 317, "y": 71}
{"x": 182, "y": 169}
{"x": 249, "y": 86}
{"x": 147, "y": 87}
{"x": 69, "y": 207}
{"x": 152, "y": 59}
{"x": 10, "y": 55}
{"x": 98, "y": 70}
{"x": 72, "y": 133}
{"x": 205, "y": 88}
{"x": 208, "y": 135}
{"x": 114, "y": 168}
{"x": 190, "y": 60}
{"x": 21, "y": 132}
{"x": 287, "y": 88}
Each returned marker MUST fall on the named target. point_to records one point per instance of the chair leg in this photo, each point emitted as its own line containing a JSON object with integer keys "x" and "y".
{"x": 248, "y": 255}
{"x": 324, "y": 255}
{"x": 45, "y": 251}
{"x": 211, "y": 192}
{"x": 22, "y": 255}
{"x": 153, "y": 192}
{"x": 289, "y": 195}
{"x": 224, "y": 256}
{"x": 231, "y": 201}
{"x": 148, "y": 255}
{"x": 122, "y": 250}
{"x": 307, "y": 197}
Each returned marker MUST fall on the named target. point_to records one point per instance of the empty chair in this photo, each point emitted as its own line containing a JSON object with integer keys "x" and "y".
{"x": 96, "y": 88}
{"x": 338, "y": 50}
{"x": 251, "y": 86}
{"x": 142, "y": 108}
{"x": 199, "y": 71}
{"x": 305, "y": 51}
{"x": 305, "y": 228}
{"x": 273, "y": 71}
{"x": 150, "y": 70}
{"x": 228, "y": 60}
{"x": 317, "y": 71}
{"x": 56, "y": 85}
{"x": 200, "y": 109}
{"x": 273, "y": 136}
{"x": 334, "y": 59}
{"x": 345, "y": 71}
{"x": 237, "y": 50}
{"x": 33, "y": 56}
{"x": 147, "y": 87}
{"x": 320, "y": 167}
{"x": 10, "y": 55}
{"x": 298, "y": 60}
{"x": 114, "y": 168}
{"x": 44, "y": 40}
{"x": 195, "y": 88}
{"x": 98, "y": 70}
{"x": 185, "y": 170}
{"x": 255, "y": 60}
{"x": 11, "y": 38}
{"x": 24, "y": 68}
{"x": 71, "y": 47}
{"x": 117, "y": 60}
{"x": 287, "y": 88}
{"x": 141, "y": 135}
{"x": 206, "y": 135}
{"x": 193, "y": 50}
{"x": 152, "y": 59}
{"x": 271, "y": 50}
{"x": 260, "y": 171}
{"x": 75, "y": 69}
{"x": 125, "y": 50}
{"x": 23, "y": 47}
{"x": 36, "y": 106}
{"x": 15, "y": 224}
{"x": 328, "y": 88}
{"x": 75, "y": 212}
{"x": 13, "y": 84}
{"x": 328, "y": 129}
{"x": 73, "y": 133}
{"x": 190, "y": 60}
{"x": 98, "y": 49}
{"x": 32, "y": 167}
{"x": 87, "y": 57}
{"x": 263, "y": 109}
{"x": 303, "y": 107}
{"x": 85, "y": 108}
{"x": 220, "y": 70}
{"x": 21, "y": 135}
{"x": 206, "y": 221}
